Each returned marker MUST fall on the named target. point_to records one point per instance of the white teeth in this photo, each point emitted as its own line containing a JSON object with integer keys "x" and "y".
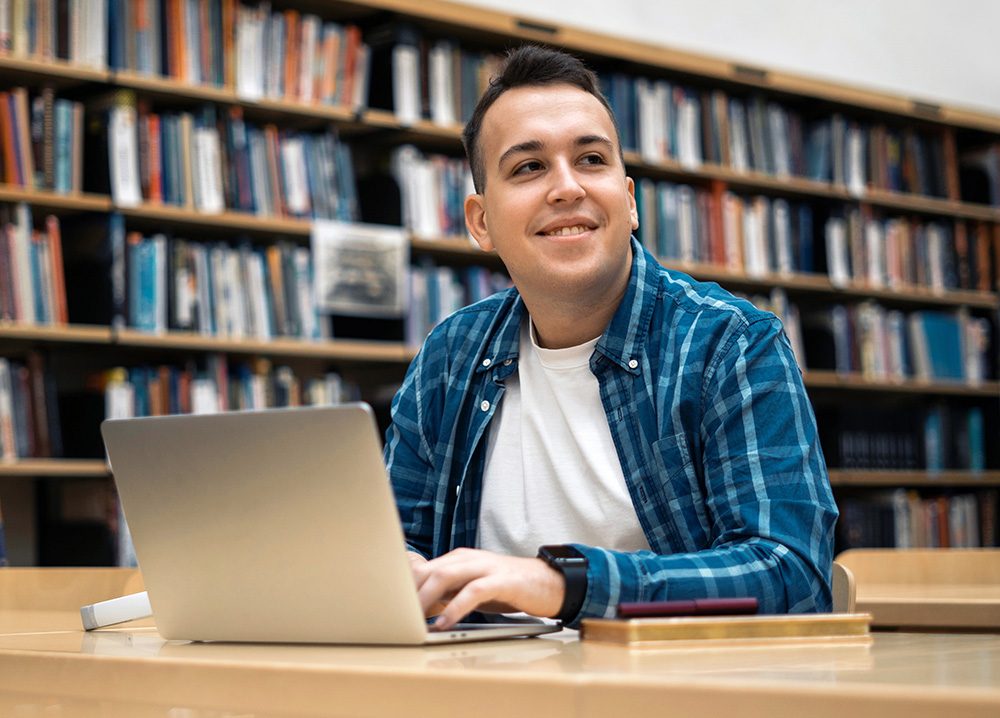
{"x": 566, "y": 230}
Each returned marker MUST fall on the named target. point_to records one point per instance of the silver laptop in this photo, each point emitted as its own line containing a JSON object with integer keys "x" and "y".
{"x": 272, "y": 526}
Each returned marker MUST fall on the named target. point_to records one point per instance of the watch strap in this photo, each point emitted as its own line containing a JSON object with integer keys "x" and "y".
{"x": 575, "y": 575}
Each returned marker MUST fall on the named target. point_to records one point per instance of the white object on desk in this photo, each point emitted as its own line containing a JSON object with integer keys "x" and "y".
{"x": 116, "y": 610}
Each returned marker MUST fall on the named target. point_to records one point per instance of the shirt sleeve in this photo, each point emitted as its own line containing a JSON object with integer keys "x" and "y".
{"x": 408, "y": 457}
{"x": 762, "y": 479}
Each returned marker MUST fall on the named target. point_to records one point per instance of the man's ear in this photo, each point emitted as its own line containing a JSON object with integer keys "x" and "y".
{"x": 634, "y": 210}
{"x": 475, "y": 221}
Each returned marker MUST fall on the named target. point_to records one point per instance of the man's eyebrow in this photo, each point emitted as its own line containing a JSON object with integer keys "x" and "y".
{"x": 529, "y": 146}
{"x": 536, "y": 145}
{"x": 594, "y": 139}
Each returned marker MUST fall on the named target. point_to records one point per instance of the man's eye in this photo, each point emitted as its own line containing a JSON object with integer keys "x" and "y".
{"x": 592, "y": 160}
{"x": 527, "y": 167}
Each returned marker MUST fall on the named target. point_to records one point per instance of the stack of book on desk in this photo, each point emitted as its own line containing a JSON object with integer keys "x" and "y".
{"x": 751, "y": 628}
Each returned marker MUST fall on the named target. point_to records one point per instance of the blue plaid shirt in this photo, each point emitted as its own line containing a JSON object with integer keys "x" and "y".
{"x": 710, "y": 418}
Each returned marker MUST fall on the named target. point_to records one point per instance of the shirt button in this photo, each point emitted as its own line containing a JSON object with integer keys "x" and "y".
{"x": 633, "y": 364}
{"x": 458, "y": 490}
{"x": 508, "y": 362}
{"x": 485, "y": 406}
{"x": 486, "y": 362}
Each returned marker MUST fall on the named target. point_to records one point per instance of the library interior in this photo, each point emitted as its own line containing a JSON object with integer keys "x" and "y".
{"x": 217, "y": 206}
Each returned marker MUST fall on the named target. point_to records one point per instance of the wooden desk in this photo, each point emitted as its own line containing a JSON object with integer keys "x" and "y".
{"x": 927, "y": 589}
{"x": 133, "y": 672}
{"x": 33, "y": 599}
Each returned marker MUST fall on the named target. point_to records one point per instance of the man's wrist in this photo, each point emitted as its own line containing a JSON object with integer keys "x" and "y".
{"x": 572, "y": 564}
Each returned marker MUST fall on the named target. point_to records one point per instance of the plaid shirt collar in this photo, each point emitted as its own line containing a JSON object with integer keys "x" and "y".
{"x": 623, "y": 339}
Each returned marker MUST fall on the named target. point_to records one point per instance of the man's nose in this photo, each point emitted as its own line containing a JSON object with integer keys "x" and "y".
{"x": 565, "y": 183}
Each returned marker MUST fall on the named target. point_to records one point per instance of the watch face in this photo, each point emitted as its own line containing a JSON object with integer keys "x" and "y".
{"x": 566, "y": 555}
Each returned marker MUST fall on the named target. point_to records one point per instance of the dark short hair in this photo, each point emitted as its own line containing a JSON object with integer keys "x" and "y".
{"x": 526, "y": 66}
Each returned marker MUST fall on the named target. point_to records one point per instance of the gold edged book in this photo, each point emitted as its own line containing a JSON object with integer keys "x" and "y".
{"x": 726, "y": 628}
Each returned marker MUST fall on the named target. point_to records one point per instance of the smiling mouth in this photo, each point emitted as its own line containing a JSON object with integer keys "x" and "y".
{"x": 565, "y": 231}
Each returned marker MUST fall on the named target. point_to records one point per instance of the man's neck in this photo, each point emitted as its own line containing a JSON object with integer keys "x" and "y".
{"x": 560, "y": 324}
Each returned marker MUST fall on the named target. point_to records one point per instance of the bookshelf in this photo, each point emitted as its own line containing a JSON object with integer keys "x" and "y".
{"x": 377, "y": 358}
{"x": 868, "y": 479}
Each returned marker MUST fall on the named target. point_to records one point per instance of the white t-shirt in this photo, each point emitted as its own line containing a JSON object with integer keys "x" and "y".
{"x": 552, "y": 472}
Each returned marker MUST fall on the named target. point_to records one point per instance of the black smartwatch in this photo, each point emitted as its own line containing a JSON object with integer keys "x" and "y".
{"x": 573, "y": 566}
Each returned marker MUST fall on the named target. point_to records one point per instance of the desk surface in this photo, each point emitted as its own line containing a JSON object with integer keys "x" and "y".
{"x": 134, "y": 672}
{"x": 49, "y": 666}
{"x": 928, "y": 588}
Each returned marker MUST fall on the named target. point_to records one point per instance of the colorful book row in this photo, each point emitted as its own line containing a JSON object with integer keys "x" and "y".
{"x": 930, "y": 438}
{"x": 161, "y": 283}
{"x": 32, "y": 276}
{"x": 668, "y": 122}
{"x": 72, "y": 30}
{"x": 760, "y": 236}
{"x": 417, "y": 78}
{"x": 287, "y": 55}
{"x": 893, "y": 253}
{"x": 214, "y": 387}
{"x": 752, "y": 235}
{"x": 41, "y": 140}
{"x": 905, "y": 519}
{"x": 433, "y": 189}
{"x": 437, "y": 291}
{"x": 887, "y": 344}
{"x": 29, "y": 411}
{"x": 281, "y": 54}
{"x": 212, "y": 161}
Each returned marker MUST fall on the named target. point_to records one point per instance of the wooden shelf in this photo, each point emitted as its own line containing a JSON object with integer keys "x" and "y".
{"x": 165, "y": 87}
{"x": 56, "y": 333}
{"x": 54, "y": 467}
{"x": 451, "y": 246}
{"x": 45, "y": 199}
{"x": 923, "y": 296}
{"x": 59, "y": 72}
{"x": 170, "y": 87}
{"x": 931, "y": 205}
{"x": 229, "y": 220}
{"x": 865, "y": 478}
{"x": 820, "y": 379}
{"x": 420, "y": 130}
{"x": 821, "y": 284}
{"x": 291, "y": 227}
{"x": 335, "y": 349}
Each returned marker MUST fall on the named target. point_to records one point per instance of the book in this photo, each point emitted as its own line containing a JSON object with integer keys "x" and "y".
{"x": 980, "y": 175}
{"x": 939, "y": 339}
{"x": 8, "y": 141}
{"x": 837, "y": 256}
{"x": 619, "y": 89}
{"x": 395, "y": 71}
{"x": 739, "y": 148}
{"x": 112, "y": 148}
{"x": 747, "y": 630}
{"x": 8, "y": 443}
{"x": 95, "y": 266}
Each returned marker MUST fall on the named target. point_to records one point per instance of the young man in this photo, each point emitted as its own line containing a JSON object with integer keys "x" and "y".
{"x": 608, "y": 430}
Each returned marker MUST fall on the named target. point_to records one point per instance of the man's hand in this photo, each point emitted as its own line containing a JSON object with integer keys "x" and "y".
{"x": 467, "y": 579}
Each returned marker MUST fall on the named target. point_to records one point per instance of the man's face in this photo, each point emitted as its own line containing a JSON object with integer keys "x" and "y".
{"x": 556, "y": 204}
